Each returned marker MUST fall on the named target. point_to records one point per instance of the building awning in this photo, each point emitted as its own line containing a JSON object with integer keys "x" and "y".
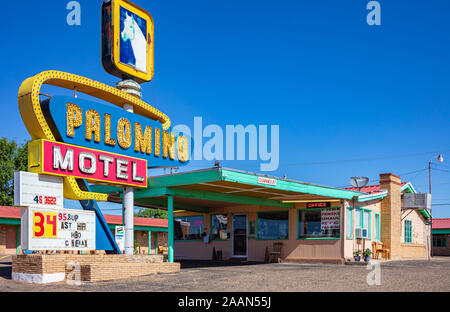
{"x": 202, "y": 190}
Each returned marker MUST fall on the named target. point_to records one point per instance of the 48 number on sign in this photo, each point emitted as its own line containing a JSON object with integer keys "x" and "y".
{"x": 47, "y": 200}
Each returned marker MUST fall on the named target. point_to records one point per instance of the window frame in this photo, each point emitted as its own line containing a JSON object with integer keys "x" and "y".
{"x": 257, "y": 226}
{"x": 377, "y": 238}
{"x": 369, "y": 229}
{"x": 351, "y": 223}
{"x": 405, "y": 232}
{"x": 444, "y": 238}
{"x": 319, "y": 208}
{"x": 190, "y": 240}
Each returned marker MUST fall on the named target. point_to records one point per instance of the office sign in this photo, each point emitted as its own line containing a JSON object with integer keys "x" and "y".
{"x": 127, "y": 40}
{"x": 318, "y": 205}
{"x": 62, "y": 159}
{"x": 38, "y": 190}
{"x": 57, "y": 229}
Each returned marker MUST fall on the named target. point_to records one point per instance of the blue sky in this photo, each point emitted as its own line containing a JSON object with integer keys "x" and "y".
{"x": 338, "y": 88}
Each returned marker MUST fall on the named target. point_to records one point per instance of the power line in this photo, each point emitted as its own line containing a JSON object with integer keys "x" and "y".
{"x": 346, "y": 160}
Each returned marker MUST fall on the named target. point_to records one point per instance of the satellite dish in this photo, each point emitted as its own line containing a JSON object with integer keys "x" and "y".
{"x": 359, "y": 182}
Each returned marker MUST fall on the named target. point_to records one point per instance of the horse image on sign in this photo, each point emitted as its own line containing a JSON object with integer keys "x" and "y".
{"x": 133, "y": 40}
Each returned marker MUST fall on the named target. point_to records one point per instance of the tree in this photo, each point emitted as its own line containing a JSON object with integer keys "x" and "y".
{"x": 12, "y": 158}
{"x": 152, "y": 213}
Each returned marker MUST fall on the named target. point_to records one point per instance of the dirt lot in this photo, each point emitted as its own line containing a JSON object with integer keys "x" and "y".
{"x": 409, "y": 275}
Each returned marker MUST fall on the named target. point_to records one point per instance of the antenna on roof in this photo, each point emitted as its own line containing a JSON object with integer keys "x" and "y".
{"x": 359, "y": 182}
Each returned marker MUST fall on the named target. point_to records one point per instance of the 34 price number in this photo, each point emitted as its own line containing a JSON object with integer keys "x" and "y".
{"x": 44, "y": 224}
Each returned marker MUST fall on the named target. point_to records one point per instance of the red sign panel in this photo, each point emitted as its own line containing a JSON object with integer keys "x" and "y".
{"x": 318, "y": 205}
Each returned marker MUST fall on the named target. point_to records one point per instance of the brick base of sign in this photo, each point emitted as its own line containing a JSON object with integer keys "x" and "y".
{"x": 52, "y": 268}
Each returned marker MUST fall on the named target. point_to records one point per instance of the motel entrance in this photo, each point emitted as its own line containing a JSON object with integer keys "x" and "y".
{"x": 239, "y": 236}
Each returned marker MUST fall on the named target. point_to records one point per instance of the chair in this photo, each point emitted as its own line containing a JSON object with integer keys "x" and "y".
{"x": 378, "y": 248}
{"x": 162, "y": 249}
{"x": 275, "y": 255}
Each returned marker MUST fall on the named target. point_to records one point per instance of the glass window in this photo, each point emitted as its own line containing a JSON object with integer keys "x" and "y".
{"x": 408, "y": 231}
{"x": 362, "y": 220}
{"x": 358, "y": 219}
{"x": 439, "y": 241}
{"x": 219, "y": 226}
{"x": 348, "y": 222}
{"x": 319, "y": 223}
{"x": 273, "y": 225}
{"x": 188, "y": 228}
{"x": 377, "y": 226}
{"x": 366, "y": 222}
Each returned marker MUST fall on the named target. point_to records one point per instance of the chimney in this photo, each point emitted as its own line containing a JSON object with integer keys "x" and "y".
{"x": 391, "y": 213}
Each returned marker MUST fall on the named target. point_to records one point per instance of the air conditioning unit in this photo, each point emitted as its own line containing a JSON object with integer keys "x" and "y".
{"x": 419, "y": 200}
{"x": 361, "y": 233}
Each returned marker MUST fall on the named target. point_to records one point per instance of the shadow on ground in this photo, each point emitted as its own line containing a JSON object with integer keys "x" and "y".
{"x": 188, "y": 264}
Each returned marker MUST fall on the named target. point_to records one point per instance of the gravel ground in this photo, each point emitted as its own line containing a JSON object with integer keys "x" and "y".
{"x": 411, "y": 275}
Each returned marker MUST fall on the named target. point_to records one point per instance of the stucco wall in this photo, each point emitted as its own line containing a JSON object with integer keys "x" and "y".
{"x": 417, "y": 248}
{"x": 293, "y": 248}
{"x": 350, "y": 245}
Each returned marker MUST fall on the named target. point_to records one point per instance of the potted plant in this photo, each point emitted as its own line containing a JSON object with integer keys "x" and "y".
{"x": 357, "y": 255}
{"x": 367, "y": 254}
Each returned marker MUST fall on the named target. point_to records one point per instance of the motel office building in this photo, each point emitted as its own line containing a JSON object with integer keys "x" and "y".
{"x": 231, "y": 214}
{"x": 311, "y": 227}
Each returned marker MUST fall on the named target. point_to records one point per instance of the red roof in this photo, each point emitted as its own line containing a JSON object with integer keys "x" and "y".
{"x": 9, "y": 212}
{"x": 369, "y": 189}
{"x": 14, "y": 213}
{"x": 441, "y": 223}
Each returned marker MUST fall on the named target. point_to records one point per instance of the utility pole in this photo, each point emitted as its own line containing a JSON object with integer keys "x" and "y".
{"x": 440, "y": 159}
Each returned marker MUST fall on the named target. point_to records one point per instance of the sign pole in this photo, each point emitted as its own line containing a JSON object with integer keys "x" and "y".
{"x": 133, "y": 88}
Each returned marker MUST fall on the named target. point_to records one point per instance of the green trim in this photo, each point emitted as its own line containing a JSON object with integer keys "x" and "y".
{"x": 286, "y": 185}
{"x": 408, "y": 188}
{"x": 351, "y": 221}
{"x": 440, "y": 231}
{"x": 230, "y": 198}
{"x": 9, "y": 221}
{"x": 377, "y": 239}
{"x": 373, "y": 197}
{"x": 188, "y": 178}
{"x": 156, "y": 243}
{"x": 171, "y": 227}
{"x": 407, "y": 234}
{"x": 257, "y": 223}
{"x": 308, "y": 238}
{"x": 425, "y": 213}
{"x": 162, "y": 203}
{"x": 149, "y": 242}
{"x": 210, "y": 227}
